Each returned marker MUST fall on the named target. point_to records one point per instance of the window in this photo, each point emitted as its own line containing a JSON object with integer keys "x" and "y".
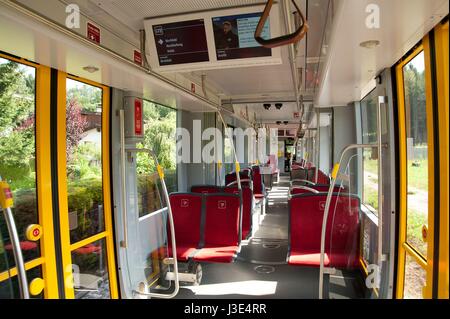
{"x": 84, "y": 160}
{"x": 18, "y": 150}
{"x": 417, "y": 152}
{"x": 228, "y": 151}
{"x": 370, "y": 156}
{"x": 160, "y": 125}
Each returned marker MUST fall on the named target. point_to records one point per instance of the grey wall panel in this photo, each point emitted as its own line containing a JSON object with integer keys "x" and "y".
{"x": 345, "y": 134}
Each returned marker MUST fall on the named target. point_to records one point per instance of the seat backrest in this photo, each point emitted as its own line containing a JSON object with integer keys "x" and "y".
{"x": 342, "y": 231}
{"x": 305, "y": 221}
{"x": 247, "y": 172}
{"x": 206, "y": 189}
{"x": 296, "y": 190}
{"x": 299, "y": 174}
{"x": 247, "y": 206}
{"x": 231, "y": 177}
{"x": 187, "y": 214}
{"x": 345, "y": 233}
{"x": 257, "y": 180}
{"x": 311, "y": 174}
{"x": 300, "y": 190}
{"x": 323, "y": 178}
{"x": 222, "y": 219}
{"x": 325, "y": 188}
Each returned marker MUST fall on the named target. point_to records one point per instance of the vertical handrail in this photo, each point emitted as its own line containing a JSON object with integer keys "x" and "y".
{"x": 124, "y": 242}
{"x": 237, "y": 170}
{"x": 381, "y": 101}
{"x": 17, "y": 250}
{"x": 317, "y": 145}
{"x": 237, "y": 166}
{"x": 334, "y": 177}
{"x": 172, "y": 227}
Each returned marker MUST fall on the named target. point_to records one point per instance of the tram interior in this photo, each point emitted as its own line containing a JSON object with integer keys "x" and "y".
{"x": 147, "y": 194}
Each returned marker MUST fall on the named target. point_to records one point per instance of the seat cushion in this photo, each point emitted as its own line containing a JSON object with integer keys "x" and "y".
{"x": 312, "y": 259}
{"x": 183, "y": 251}
{"x": 224, "y": 254}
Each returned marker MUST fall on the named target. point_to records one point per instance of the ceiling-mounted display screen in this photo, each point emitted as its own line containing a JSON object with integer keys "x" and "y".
{"x": 234, "y": 37}
{"x": 181, "y": 42}
{"x": 215, "y": 39}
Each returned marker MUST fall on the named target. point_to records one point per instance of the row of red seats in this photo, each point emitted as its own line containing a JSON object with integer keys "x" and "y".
{"x": 253, "y": 174}
{"x": 206, "y": 226}
{"x": 245, "y": 174}
{"x": 299, "y": 172}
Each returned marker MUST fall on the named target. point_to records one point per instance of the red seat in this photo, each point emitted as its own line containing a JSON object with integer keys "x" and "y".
{"x": 299, "y": 173}
{"x": 187, "y": 212}
{"x": 311, "y": 174}
{"x": 221, "y": 232}
{"x": 322, "y": 178}
{"x": 258, "y": 186}
{"x": 230, "y": 178}
{"x": 247, "y": 208}
{"x": 342, "y": 231}
{"x": 320, "y": 188}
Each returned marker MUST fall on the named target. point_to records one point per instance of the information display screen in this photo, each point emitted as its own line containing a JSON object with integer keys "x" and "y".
{"x": 181, "y": 42}
{"x": 234, "y": 37}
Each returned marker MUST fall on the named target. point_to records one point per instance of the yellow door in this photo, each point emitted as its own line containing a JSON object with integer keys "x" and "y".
{"x": 54, "y": 154}
{"x": 25, "y": 166}
{"x": 421, "y": 141}
{"x": 84, "y": 189}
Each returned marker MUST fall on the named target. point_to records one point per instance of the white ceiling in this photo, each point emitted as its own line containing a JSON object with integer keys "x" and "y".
{"x": 253, "y": 80}
{"x": 272, "y": 115}
{"x": 256, "y": 81}
{"x": 350, "y": 67}
{"x": 133, "y": 12}
{"x": 38, "y": 42}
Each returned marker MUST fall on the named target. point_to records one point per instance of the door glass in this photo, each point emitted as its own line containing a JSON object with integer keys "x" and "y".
{"x": 415, "y": 279}
{"x": 90, "y": 271}
{"x": 370, "y": 155}
{"x": 18, "y": 151}
{"x": 6, "y": 288}
{"x": 417, "y": 152}
{"x": 84, "y": 160}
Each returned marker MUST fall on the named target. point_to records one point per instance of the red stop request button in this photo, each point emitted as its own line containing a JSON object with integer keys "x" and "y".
{"x": 33, "y": 232}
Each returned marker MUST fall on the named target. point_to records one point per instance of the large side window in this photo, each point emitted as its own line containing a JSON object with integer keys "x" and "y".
{"x": 160, "y": 124}
{"x": 228, "y": 151}
{"x": 18, "y": 168}
{"x": 370, "y": 158}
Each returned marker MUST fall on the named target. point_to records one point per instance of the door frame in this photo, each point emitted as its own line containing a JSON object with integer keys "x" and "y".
{"x": 66, "y": 246}
{"x": 47, "y": 260}
{"x": 426, "y": 262}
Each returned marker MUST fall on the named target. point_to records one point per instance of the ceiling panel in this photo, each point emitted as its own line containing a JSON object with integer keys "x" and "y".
{"x": 350, "y": 67}
{"x": 253, "y": 80}
{"x": 286, "y": 113}
{"x": 133, "y": 12}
